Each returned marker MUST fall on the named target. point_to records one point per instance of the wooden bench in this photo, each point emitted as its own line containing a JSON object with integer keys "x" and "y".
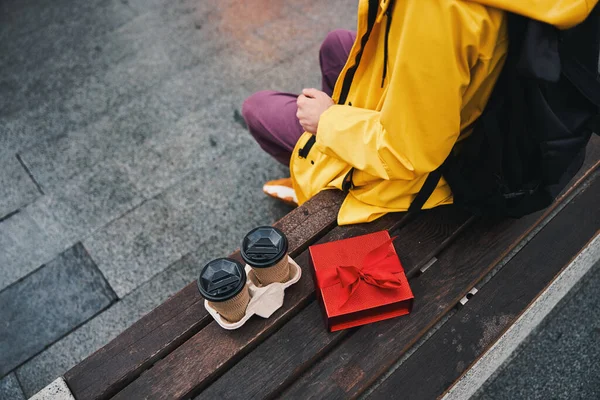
{"x": 178, "y": 351}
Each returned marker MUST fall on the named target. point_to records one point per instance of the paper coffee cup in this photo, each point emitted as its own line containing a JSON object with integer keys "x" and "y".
{"x": 223, "y": 283}
{"x": 265, "y": 250}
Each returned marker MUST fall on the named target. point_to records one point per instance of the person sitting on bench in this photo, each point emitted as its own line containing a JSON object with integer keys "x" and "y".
{"x": 396, "y": 96}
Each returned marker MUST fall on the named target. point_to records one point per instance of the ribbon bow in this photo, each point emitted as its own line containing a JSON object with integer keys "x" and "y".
{"x": 377, "y": 269}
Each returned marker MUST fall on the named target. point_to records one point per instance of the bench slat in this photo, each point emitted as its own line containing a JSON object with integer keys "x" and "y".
{"x": 112, "y": 367}
{"x": 370, "y": 351}
{"x": 296, "y": 346}
{"x": 472, "y": 330}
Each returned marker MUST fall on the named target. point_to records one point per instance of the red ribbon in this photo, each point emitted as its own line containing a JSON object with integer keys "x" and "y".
{"x": 377, "y": 269}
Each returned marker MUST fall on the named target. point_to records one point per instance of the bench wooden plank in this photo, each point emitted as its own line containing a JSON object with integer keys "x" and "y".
{"x": 284, "y": 356}
{"x": 213, "y": 350}
{"x": 112, "y": 367}
{"x": 472, "y": 330}
{"x": 370, "y": 351}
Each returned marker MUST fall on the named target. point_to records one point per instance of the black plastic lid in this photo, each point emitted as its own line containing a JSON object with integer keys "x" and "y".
{"x": 264, "y": 246}
{"x": 221, "y": 279}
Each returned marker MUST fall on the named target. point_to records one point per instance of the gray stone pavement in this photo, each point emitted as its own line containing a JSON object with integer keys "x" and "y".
{"x": 10, "y": 388}
{"x": 123, "y": 168}
{"x": 47, "y": 304}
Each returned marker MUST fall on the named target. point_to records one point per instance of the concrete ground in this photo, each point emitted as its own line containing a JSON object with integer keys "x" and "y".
{"x": 123, "y": 166}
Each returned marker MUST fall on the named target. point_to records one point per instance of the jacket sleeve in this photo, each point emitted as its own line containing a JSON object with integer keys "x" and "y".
{"x": 420, "y": 118}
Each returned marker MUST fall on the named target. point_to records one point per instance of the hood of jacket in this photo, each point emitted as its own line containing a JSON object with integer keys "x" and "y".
{"x": 563, "y": 14}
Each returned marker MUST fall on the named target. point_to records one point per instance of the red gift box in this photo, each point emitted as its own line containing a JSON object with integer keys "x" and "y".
{"x": 360, "y": 280}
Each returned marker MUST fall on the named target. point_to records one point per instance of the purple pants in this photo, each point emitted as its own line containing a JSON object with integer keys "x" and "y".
{"x": 271, "y": 116}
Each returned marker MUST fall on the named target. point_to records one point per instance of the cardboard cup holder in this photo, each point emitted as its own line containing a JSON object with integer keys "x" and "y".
{"x": 264, "y": 300}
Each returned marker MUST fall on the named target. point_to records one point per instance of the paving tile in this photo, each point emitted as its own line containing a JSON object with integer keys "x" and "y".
{"x": 57, "y": 390}
{"x": 18, "y": 189}
{"x": 10, "y": 389}
{"x": 26, "y": 244}
{"x": 49, "y": 303}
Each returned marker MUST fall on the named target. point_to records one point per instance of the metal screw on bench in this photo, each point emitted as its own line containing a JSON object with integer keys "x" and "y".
{"x": 265, "y": 250}
{"x": 223, "y": 283}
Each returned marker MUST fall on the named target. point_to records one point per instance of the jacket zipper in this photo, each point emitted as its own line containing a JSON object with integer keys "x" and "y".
{"x": 372, "y": 15}
{"x": 348, "y": 78}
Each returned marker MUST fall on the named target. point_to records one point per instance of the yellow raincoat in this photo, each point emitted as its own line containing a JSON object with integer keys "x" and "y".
{"x": 393, "y": 127}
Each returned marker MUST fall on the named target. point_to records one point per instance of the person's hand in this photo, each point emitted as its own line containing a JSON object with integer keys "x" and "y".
{"x": 311, "y": 104}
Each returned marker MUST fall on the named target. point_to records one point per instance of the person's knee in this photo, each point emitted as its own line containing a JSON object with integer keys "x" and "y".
{"x": 332, "y": 42}
{"x": 253, "y": 106}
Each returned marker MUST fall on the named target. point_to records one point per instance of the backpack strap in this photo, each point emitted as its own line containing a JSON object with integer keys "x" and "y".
{"x": 428, "y": 187}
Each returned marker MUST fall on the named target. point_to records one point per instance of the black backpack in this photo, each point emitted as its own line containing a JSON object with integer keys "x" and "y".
{"x": 531, "y": 138}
